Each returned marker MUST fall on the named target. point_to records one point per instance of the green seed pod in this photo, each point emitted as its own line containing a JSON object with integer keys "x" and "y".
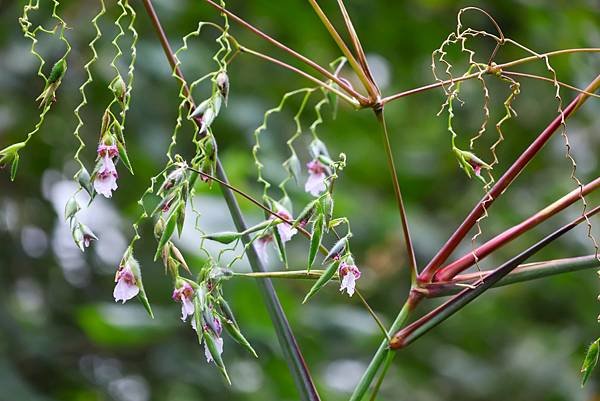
{"x": 225, "y": 237}
{"x": 590, "y": 361}
{"x": 58, "y": 71}
{"x": 159, "y": 228}
{"x": 119, "y": 89}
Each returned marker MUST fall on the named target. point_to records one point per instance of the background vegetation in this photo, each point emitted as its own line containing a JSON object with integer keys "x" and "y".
{"x": 63, "y": 338}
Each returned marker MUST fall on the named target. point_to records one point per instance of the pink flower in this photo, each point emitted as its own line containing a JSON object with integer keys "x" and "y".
{"x": 285, "y": 230}
{"x": 348, "y": 274}
{"x": 213, "y": 330}
{"x": 476, "y": 167}
{"x": 106, "y": 178}
{"x": 185, "y": 295}
{"x": 126, "y": 287}
{"x": 315, "y": 184}
{"x": 261, "y": 247}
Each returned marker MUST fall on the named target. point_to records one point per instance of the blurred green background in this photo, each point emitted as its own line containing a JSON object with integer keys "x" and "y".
{"x": 63, "y": 338}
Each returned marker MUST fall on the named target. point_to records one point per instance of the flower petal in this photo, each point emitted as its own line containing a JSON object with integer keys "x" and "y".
{"x": 315, "y": 184}
{"x": 124, "y": 290}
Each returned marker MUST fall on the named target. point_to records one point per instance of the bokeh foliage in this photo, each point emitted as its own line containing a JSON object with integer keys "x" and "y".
{"x": 62, "y": 337}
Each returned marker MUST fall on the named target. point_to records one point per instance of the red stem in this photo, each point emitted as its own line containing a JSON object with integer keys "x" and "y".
{"x": 503, "y": 183}
{"x": 363, "y": 100}
{"x": 449, "y": 271}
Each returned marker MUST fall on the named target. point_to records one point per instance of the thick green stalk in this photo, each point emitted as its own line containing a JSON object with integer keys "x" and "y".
{"x": 382, "y": 354}
{"x": 285, "y": 336}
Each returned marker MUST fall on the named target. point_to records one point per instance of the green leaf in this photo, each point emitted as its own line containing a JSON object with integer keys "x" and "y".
{"x": 237, "y": 335}
{"x": 180, "y": 217}
{"x": 326, "y": 201}
{"x": 280, "y": 247}
{"x": 324, "y": 279}
{"x": 167, "y": 234}
{"x": 590, "y": 361}
{"x": 315, "y": 241}
{"x": 216, "y": 356}
{"x": 123, "y": 155}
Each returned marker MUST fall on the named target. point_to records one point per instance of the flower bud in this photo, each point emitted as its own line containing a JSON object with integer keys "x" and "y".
{"x": 71, "y": 208}
{"x": 222, "y": 81}
{"x": 58, "y": 71}
{"x": 119, "y": 89}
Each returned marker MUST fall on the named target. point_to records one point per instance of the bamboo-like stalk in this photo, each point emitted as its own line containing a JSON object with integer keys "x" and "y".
{"x": 356, "y": 67}
{"x": 523, "y": 273}
{"x": 416, "y": 329}
{"x": 362, "y": 99}
{"x": 412, "y": 260}
{"x": 449, "y": 271}
{"x": 289, "y": 345}
{"x": 500, "y": 186}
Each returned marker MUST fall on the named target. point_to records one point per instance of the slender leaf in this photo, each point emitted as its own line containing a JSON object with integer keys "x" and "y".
{"x": 327, "y": 275}
{"x": 315, "y": 241}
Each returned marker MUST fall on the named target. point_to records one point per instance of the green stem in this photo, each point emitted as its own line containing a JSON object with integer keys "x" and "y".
{"x": 398, "y": 194}
{"x": 283, "y": 330}
{"x": 382, "y": 354}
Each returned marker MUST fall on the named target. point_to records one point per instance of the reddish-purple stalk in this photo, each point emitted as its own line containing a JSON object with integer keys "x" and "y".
{"x": 416, "y": 329}
{"x": 524, "y": 272}
{"x": 362, "y": 58}
{"x": 344, "y": 85}
{"x": 449, "y": 271}
{"x": 500, "y": 186}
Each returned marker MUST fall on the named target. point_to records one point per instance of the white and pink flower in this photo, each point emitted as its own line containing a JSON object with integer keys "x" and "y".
{"x": 348, "y": 275}
{"x": 106, "y": 178}
{"x": 315, "y": 184}
{"x": 285, "y": 230}
{"x": 261, "y": 246}
{"x": 126, "y": 287}
{"x": 185, "y": 295}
